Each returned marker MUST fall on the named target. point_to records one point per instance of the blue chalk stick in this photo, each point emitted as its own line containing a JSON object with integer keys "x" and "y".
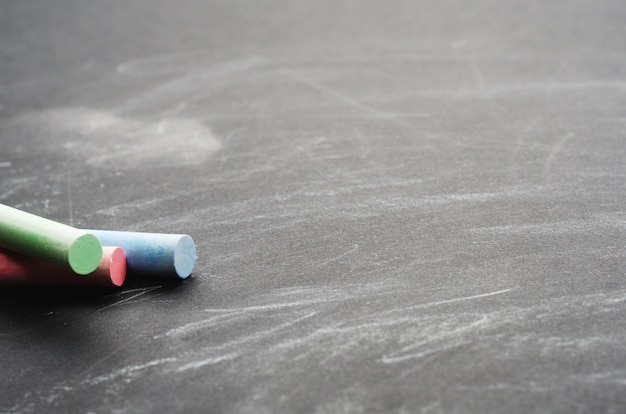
{"x": 153, "y": 254}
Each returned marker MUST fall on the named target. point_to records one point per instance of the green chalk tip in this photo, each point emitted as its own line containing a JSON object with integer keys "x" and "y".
{"x": 84, "y": 254}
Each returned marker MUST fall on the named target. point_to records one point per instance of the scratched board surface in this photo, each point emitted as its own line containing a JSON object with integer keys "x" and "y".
{"x": 399, "y": 206}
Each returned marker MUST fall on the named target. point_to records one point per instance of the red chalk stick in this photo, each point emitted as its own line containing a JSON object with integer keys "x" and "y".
{"x": 17, "y": 269}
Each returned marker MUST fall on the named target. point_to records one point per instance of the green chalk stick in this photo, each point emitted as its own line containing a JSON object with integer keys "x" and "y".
{"x": 47, "y": 240}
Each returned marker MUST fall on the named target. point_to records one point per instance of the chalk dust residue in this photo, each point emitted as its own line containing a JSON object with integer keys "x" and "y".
{"x": 103, "y": 139}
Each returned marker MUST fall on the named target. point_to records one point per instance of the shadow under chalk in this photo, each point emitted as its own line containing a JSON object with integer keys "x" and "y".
{"x": 67, "y": 321}
{"x": 40, "y": 298}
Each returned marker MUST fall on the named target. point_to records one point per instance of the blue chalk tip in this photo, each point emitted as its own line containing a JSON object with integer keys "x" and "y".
{"x": 184, "y": 257}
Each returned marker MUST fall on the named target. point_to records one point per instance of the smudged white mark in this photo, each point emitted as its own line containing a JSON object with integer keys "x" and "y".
{"x": 103, "y": 139}
{"x": 4, "y": 164}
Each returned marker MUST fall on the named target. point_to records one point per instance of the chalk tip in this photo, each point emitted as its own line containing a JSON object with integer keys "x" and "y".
{"x": 184, "y": 257}
{"x": 117, "y": 264}
{"x": 85, "y": 254}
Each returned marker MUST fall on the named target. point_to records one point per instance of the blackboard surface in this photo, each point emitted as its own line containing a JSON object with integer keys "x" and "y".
{"x": 399, "y": 206}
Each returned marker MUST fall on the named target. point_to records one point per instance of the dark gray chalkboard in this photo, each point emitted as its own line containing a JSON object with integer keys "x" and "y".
{"x": 399, "y": 206}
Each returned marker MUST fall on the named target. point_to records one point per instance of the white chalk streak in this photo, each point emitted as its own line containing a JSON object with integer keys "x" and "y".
{"x": 482, "y": 295}
{"x": 207, "y": 361}
{"x": 393, "y": 118}
{"x": 142, "y": 291}
{"x": 127, "y": 372}
{"x": 556, "y": 149}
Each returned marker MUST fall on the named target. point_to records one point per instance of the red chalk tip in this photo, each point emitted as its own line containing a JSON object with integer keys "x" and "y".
{"x": 112, "y": 267}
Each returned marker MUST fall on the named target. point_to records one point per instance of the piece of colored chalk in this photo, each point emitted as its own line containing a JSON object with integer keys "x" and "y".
{"x": 17, "y": 269}
{"x": 47, "y": 240}
{"x": 153, "y": 254}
